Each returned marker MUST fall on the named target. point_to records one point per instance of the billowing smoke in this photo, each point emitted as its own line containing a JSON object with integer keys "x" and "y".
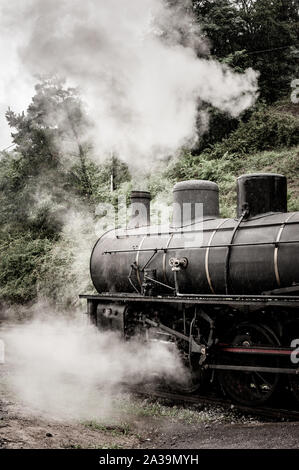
{"x": 142, "y": 67}
{"x": 67, "y": 368}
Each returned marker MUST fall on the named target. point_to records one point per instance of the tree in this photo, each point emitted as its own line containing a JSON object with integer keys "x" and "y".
{"x": 52, "y": 131}
{"x": 222, "y": 23}
{"x": 257, "y": 34}
{"x": 50, "y": 140}
{"x": 271, "y": 28}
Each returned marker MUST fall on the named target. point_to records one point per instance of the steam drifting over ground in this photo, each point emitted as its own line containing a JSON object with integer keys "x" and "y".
{"x": 142, "y": 67}
{"x": 67, "y": 368}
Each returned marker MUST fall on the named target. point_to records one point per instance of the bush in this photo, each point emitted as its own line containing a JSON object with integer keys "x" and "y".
{"x": 20, "y": 262}
{"x": 267, "y": 129}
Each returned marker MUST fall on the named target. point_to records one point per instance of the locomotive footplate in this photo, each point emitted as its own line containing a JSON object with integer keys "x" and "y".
{"x": 230, "y": 300}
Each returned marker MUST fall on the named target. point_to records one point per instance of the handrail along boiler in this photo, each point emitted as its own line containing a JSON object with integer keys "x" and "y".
{"x": 225, "y": 290}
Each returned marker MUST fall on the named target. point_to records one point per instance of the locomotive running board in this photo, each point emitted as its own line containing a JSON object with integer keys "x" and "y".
{"x": 233, "y": 300}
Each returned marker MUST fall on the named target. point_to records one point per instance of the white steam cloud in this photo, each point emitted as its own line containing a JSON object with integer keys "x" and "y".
{"x": 68, "y": 369}
{"x": 141, "y": 66}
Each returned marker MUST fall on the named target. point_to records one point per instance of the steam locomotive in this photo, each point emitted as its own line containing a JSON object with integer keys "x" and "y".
{"x": 226, "y": 291}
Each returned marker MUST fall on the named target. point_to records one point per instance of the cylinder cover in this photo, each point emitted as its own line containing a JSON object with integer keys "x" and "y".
{"x": 140, "y": 209}
{"x": 194, "y": 199}
{"x": 261, "y": 193}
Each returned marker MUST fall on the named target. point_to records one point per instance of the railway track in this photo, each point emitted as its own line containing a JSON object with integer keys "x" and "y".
{"x": 265, "y": 412}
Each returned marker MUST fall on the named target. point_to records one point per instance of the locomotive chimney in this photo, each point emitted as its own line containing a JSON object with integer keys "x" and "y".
{"x": 260, "y": 193}
{"x": 193, "y": 200}
{"x": 140, "y": 209}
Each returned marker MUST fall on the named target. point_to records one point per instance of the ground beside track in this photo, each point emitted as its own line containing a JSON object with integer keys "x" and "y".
{"x": 145, "y": 424}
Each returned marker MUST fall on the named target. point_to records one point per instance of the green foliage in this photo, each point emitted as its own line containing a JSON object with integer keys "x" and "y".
{"x": 254, "y": 33}
{"x": 258, "y": 34}
{"x": 107, "y": 189}
{"x": 267, "y": 129}
{"x": 220, "y": 126}
{"x": 18, "y": 202}
{"x": 20, "y": 264}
